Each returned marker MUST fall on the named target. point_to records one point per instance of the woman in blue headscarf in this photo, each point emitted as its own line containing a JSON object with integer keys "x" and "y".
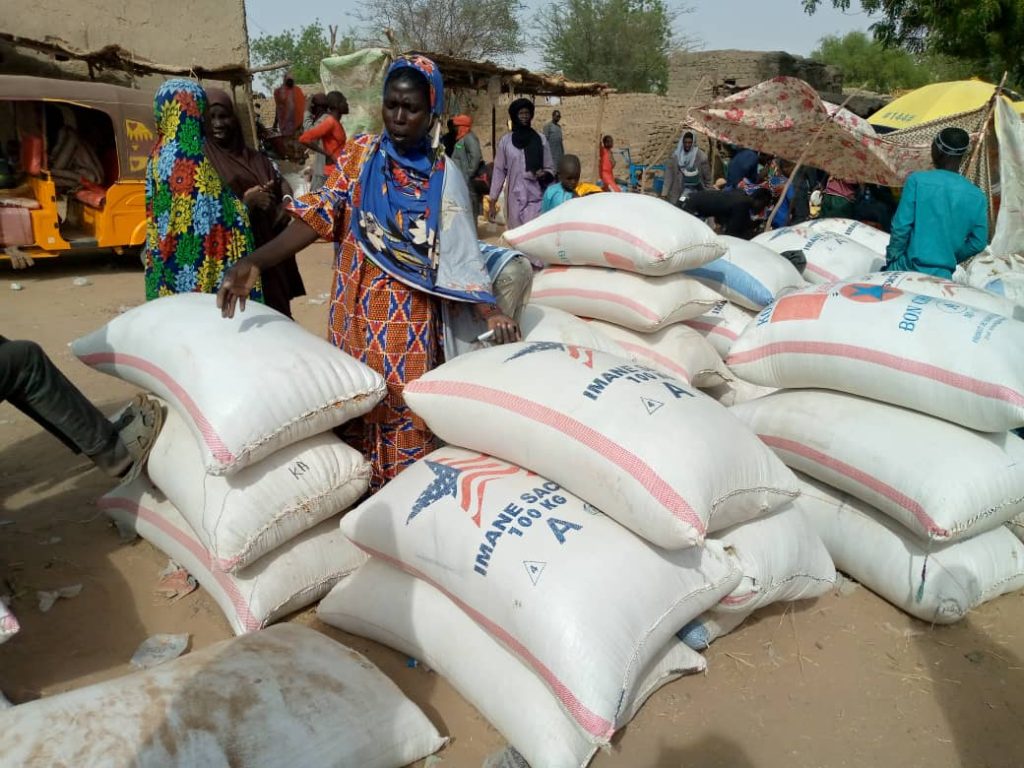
{"x": 410, "y": 286}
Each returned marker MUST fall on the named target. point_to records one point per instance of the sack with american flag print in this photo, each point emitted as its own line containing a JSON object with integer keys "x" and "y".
{"x": 580, "y": 600}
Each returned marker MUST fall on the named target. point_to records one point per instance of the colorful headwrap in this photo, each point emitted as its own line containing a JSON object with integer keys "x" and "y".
{"x": 463, "y": 125}
{"x": 400, "y": 195}
{"x": 196, "y": 226}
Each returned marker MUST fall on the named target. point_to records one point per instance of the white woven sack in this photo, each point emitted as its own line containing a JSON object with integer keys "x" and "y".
{"x": 636, "y": 233}
{"x": 247, "y": 386}
{"x": 294, "y": 576}
{"x": 749, "y": 274}
{"x": 1016, "y": 527}
{"x": 830, "y": 256}
{"x": 951, "y": 484}
{"x": 866, "y": 235}
{"x": 408, "y": 614}
{"x": 287, "y": 696}
{"x": 980, "y": 270}
{"x": 938, "y": 357}
{"x": 781, "y": 558}
{"x": 9, "y": 625}
{"x": 624, "y": 298}
{"x": 935, "y": 583}
{"x": 579, "y": 599}
{"x": 929, "y": 285}
{"x": 541, "y": 323}
{"x": 240, "y": 518}
{"x": 1009, "y": 285}
{"x": 652, "y": 452}
{"x": 721, "y": 325}
{"x": 677, "y": 350}
{"x": 738, "y": 391}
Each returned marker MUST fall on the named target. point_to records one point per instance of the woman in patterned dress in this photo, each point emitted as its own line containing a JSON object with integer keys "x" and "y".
{"x": 410, "y": 286}
{"x": 196, "y": 227}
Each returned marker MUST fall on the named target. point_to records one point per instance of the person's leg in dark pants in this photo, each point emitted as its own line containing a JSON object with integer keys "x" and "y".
{"x": 33, "y": 384}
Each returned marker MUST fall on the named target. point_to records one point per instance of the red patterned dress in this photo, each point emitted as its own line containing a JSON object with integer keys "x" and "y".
{"x": 376, "y": 319}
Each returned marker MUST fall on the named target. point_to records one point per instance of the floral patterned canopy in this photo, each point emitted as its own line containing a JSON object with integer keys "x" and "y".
{"x": 784, "y": 115}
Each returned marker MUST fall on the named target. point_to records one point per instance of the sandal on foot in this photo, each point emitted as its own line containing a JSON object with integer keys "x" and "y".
{"x": 142, "y": 422}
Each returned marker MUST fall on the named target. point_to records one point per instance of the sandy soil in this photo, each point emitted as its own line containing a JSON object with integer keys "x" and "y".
{"x": 844, "y": 681}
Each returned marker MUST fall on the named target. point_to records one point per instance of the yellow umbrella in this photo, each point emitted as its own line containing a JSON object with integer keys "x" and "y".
{"x": 933, "y": 102}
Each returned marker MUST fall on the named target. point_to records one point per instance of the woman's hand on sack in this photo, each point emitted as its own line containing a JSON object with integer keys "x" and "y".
{"x": 505, "y": 329}
{"x": 235, "y": 288}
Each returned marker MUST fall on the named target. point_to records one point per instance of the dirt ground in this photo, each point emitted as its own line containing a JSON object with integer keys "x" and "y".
{"x": 843, "y": 681}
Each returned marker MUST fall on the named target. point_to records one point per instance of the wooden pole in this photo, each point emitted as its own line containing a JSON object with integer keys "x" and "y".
{"x": 984, "y": 126}
{"x": 800, "y": 161}
{"x": 600, "y": 123}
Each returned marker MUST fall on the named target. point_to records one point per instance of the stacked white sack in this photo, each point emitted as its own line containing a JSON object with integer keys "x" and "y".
{"x": 749, "y": 274}
{"x": 782, "y": 560}
{"x": 945, "y": 359}
{"x": 677, "y": 350}
{"x": 948, "y": 290}
{"x": 408, "y": 614}
{"x": 858, "y": 231}
{"x": 722, "y": 325}
{"x": 246, "y": 387}
{"x": 285, "y": 696}
{"x": 623, "y": 262}
{"x": 584, "y": 606}
{"x": 936, "y": 583}
{"x": 653, "y": 453}
{"x": 927, "y": 469}
{"x": 540, "y": 323}
{"x": 830, "y": 256}
{"x": 248, "y": 470}
{"x": 940, "y": 481}
{"x": 245, "y": 516}
{"x": 291, "y": 577}
{"x": 634, "y": 301}
{"x": 634, "y": 233}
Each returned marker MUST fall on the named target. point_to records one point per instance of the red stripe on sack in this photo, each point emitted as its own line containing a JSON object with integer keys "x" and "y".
{"x": 858, "y": 476}
{"x": 941, "y": 375}
{"x": 480, "y": 491}
{"x": 829, "y": 277}
{"x": 210, "y": 437}
{"x": 584, "y": 226}
{"x": 586, "y": 436}
{"x": 466, "y": 483}
{"x": 733, "y": 600}
{"x": 224, "y": 581}
{"x": 657, "y": 357}
{"x": 612, "y": 298}
{"x": 481, "y": 460}
{"x": 712, "y": 328}
{"x": 589, "y": 721}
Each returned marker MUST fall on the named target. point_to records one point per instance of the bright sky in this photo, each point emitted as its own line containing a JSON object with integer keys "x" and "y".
{"x": 769, "y": 25}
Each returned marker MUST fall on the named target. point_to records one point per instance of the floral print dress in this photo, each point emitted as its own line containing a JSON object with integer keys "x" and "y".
{"x": 196, "y": 227}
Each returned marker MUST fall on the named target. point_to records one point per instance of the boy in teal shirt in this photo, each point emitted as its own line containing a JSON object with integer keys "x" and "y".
{"x": 565, "y": 189}
{"x": 942, "y": 218}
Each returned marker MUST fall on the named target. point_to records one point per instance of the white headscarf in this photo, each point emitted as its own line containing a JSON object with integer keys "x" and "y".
{"x": 686, "y": 160}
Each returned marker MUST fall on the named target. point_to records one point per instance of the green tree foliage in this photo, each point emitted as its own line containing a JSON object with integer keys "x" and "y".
{"x": 472, "y": 29}
{"x": 624, "y": 43}
{"x": 866, "y": 63}
{"x": 987, "y": 33}
{"x": 304, "y": 48}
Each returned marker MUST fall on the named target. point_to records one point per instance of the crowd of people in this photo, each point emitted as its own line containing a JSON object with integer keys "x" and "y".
{"x": 412, "y": 286}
